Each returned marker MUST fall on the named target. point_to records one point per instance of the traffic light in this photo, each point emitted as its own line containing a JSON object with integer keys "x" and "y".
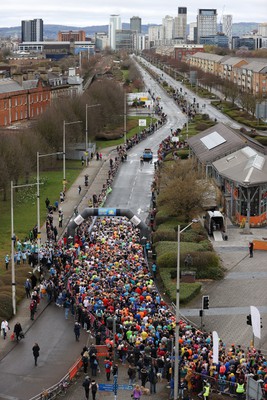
{"x": 205, "y": 302}
{"x": 249, "y": 319}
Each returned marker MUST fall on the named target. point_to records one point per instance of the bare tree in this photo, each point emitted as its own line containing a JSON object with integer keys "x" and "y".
{"x": 180, "y": 190}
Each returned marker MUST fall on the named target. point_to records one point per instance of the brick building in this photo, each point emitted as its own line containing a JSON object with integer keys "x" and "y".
{"x": 67, "y": 36}
{"x": 21, "y": 101}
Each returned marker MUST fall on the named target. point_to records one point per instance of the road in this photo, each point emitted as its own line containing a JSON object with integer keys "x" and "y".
{"x": 204, "y": 104}
{"x": 132, "y": 184}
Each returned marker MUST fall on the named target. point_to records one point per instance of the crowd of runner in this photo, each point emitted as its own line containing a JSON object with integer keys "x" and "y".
{"x": 103, "y": 274}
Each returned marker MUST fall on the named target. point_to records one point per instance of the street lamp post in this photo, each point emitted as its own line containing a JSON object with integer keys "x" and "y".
{"x": 64, "y": 150}
{"x": 176, "y": 360}
{"x": 186, "y": 115}
{"x": 86, "y": 130}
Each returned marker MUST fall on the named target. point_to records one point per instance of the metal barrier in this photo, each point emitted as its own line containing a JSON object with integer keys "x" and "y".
{"x": 55, "y": 390}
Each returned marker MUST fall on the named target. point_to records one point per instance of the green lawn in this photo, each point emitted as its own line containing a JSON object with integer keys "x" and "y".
{"x": 102, "y": 144}
{"x": 25, "y": 205}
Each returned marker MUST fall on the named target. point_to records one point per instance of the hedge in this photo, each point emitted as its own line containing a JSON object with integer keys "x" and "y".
{"x": 206, "y": 263}
{"x": 262, "y": 140}
{"x": 185, "y": 247}
{"x": 188, "y": 291}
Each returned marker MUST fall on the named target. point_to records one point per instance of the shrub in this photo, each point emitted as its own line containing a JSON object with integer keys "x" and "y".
{"x": 194, "y": 236}
{"x": 187, "y": 290}
{"x": 201, "y": 126}
{"x": 164, "y": 235}
{"x": 6, "y": 310}
{"x": 161, "y": 216}
{"x": 167, "y": 260}
{"x": 183, "y": 154}
{"x": 207, "y": 265}
{"x": 262, "y": 140}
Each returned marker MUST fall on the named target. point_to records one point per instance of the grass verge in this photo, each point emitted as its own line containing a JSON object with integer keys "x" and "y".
{"x": 25, "y": 204}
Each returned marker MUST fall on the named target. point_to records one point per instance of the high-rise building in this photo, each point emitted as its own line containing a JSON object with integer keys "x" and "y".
{"x": 206, "y": 22}
{"x": 135, "y": 24}
{"x": 227, "y": 27}
{"x": 32, "y": 30}
{"x": 167, "y": 29}
{"x": 114, "y": 24}
{"x": 262, "y": 29}
{"x": 155, "y": 35}
{"x": 180, "y": 24}
{"x": 125, "y": 40}
{"x": 193, "y": 32}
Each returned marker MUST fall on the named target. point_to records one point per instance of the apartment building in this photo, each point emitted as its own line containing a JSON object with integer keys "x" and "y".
{"x": 32, "y": 30}
{"x": 21, "y": 101}
{"x": 249, "y": 74}
{"x": 206, "y": 62}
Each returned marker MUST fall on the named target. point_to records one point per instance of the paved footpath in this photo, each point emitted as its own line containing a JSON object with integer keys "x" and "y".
{"x": 244, "y": 285}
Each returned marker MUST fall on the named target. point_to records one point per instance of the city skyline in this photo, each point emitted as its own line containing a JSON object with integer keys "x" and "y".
{"x": 82, "y": 14}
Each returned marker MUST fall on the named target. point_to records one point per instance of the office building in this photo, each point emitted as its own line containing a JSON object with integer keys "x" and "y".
{"x": 219, "y": 40}
{"x": 167, "y": 29}
{"x": 124, "y": 40}
{"x": 135, "y": 24}
{"x": 206, "y": 22}
{"x": 227, "y": 28}
{"x": 192, "y": 32}
{"x": 180, "y": 24}
{"x": 262, "y": 29}
{"x": 67, "y": 36}
{"x": 155, "y": 35}
{"x": 114, "y": 25}
{"x": 32, "y": 30}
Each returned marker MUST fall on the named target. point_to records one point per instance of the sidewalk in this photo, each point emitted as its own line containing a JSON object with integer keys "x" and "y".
{"x": 97, "y": 172}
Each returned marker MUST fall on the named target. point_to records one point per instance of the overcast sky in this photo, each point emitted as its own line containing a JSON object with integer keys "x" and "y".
{"x": 88, "y": 12}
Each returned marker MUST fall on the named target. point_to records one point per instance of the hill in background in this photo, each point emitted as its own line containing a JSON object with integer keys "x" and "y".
{"x": 51, "y": 31}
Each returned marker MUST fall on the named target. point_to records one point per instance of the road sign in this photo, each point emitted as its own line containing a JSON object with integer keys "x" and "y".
{"x": 105, "y": 387}
{"x": 109, "y": 387}
{"x": 142, "y": 122}
{"x": 125, "y": 387}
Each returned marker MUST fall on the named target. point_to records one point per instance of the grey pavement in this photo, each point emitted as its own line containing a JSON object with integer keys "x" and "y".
{"x": 244, "y": 285}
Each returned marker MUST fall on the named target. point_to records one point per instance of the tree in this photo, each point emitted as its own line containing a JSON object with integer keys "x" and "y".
{"x": 181, "y": 192}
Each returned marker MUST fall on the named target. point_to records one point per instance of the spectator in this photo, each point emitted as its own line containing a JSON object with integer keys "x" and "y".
{"x": 77, "y": 331}
{"x": 137, "y": 392}
{"x": 36, "y": 353}
{"x": 17, "y": 331}
{"x": 94, "y": 388}
{"x": 86, "y": 385}
{"x": 4, "y": 328}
